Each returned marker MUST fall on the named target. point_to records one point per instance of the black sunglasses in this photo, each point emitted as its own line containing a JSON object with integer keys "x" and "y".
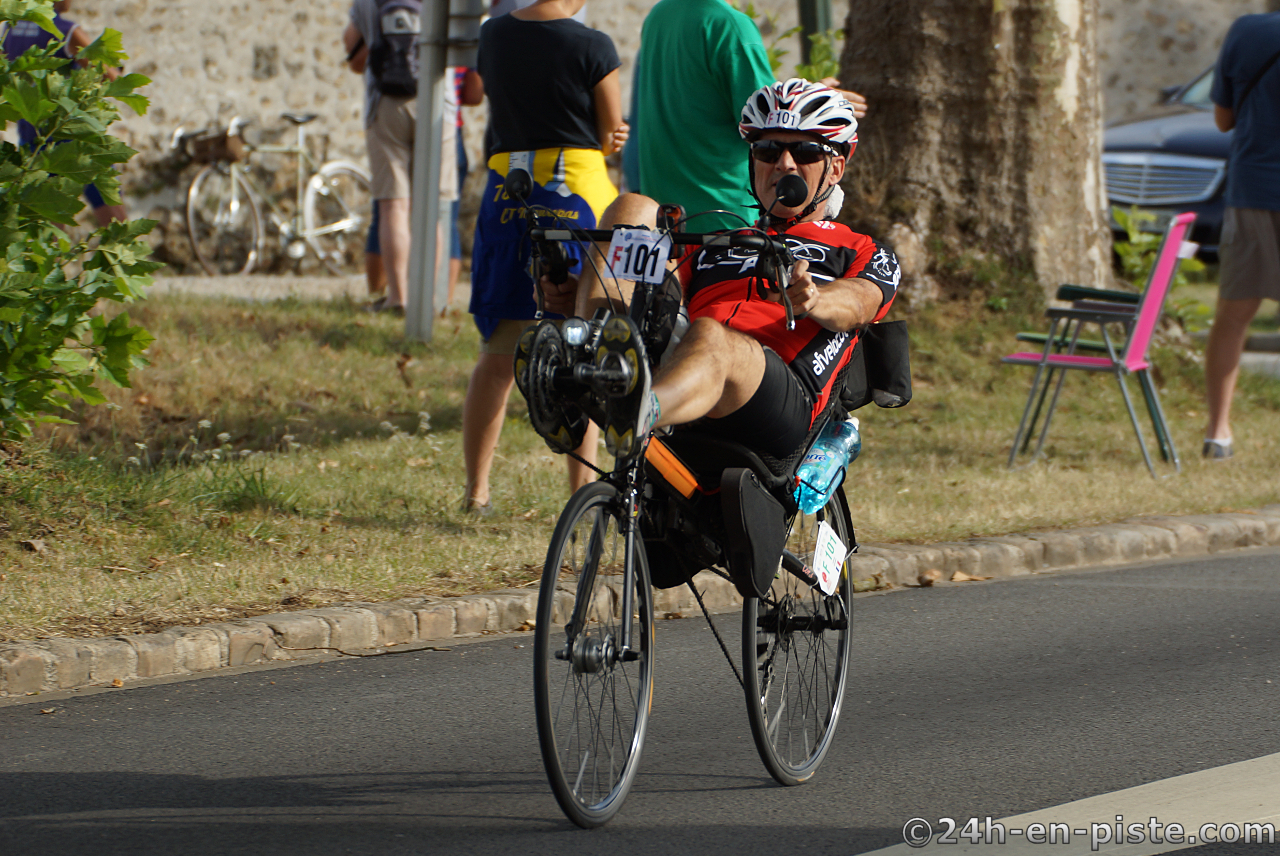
{"x": 802, "y": 151}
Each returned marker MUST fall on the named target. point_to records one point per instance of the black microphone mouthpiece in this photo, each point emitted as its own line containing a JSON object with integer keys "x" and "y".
{"x": 519, "y": 184}
{"x": 791, "y": 191}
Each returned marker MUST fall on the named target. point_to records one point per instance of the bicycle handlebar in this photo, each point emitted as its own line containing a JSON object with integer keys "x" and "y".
{"x": 774, "y": 260}
{"x": 747, "y": 241}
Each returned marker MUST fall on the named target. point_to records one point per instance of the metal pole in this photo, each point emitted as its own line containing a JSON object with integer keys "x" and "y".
{"x": 450, "y": 34}
{"x": 815, "y": 17}
{"x": 428, "y": 263}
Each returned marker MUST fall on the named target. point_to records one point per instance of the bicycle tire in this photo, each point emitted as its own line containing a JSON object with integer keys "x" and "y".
{"x": 223, "y": 221}
{"x": 795, "y": 648}
{"x": 592, "y": 706}
{"x": 336, "y": 210}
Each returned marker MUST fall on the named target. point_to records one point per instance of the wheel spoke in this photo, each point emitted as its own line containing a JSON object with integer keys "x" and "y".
{"x": 337, "y": 208}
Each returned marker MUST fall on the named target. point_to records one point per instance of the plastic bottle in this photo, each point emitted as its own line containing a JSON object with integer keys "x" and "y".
{"x": 837, "y": 445}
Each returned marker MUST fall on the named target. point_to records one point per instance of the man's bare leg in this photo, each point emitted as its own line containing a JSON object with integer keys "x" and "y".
{"x": 1222, "y": 361}
{"x": 712, "y": 372}
{"x": 394, "y": 238}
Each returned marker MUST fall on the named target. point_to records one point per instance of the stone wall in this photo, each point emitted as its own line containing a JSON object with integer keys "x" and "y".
{"x": 256, "y": 58}
{"x": 253, "y": 58}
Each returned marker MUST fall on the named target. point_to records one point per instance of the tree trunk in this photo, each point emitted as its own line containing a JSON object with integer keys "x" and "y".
{"x": 983, "y": 140}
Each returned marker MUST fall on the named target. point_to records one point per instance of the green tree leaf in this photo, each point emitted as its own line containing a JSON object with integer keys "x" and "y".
{"x": 107, "y": 49}
{"x": 37, "y": 11}
{"x": 56, "y": 340}
{"x": 26, "y": 100}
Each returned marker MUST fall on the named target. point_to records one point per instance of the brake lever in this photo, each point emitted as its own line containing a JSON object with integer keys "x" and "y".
{"x": 784, "y": 283}
{"x": 778, "y": 272}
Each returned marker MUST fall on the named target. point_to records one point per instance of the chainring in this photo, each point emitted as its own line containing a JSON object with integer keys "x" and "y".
{"x": 558, "y": 420}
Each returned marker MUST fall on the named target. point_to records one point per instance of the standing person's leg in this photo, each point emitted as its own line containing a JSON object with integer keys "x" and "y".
{"x": 374, "y": 274}
{"x": 390, "y": 142}
{"x": 1222, "y": 365}
{"x": 1250, "y": 273}
{"x": 455, "y": 238}
{"x": 485, "y": 409}
{"x": 483, "y": 412}
{"x": 394, "y": 237}
{"x": 579, "y": 473}
{"x": 455, "y": 255}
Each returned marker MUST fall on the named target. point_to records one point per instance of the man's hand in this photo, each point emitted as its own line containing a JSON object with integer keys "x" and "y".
{"x": 857, "y": 101}
{"x": 804, "y": 293}
{"x": 839, "y": 305}
{"x": 559, "y": 298}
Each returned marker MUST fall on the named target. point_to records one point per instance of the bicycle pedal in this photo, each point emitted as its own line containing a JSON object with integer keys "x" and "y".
{"x": 613, "y": 376}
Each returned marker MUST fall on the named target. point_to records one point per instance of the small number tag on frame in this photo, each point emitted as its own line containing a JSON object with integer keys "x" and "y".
{"x": 828, "y": 558}
{"x": 639, "y": 255}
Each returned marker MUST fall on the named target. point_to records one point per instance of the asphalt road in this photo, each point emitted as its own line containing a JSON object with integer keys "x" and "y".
{"x": 978, "y": 699}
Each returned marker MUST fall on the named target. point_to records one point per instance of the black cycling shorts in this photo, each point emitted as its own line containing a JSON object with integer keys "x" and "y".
{"x": 777, "y": 418}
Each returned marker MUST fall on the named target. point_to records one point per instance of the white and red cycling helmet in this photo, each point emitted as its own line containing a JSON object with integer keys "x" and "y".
{"x": 798, "y": 105}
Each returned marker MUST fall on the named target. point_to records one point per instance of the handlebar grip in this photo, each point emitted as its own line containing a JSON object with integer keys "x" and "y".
{"x": 556, "y": 261}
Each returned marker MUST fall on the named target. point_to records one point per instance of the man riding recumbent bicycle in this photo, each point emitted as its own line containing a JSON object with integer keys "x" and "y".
{"x": 708, "y": 433}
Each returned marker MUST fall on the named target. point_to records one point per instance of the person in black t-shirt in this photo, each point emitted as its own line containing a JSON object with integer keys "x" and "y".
{"x": 555, "y": 109}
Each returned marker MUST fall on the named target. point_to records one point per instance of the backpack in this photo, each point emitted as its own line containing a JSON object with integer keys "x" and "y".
{"x": 393, "y": 56}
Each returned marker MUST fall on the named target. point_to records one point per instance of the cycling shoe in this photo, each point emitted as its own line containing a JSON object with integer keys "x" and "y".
{"x": 628, "y": 412}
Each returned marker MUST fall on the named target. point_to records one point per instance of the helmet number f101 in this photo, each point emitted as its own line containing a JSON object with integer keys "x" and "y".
{"x": 782, "y": 119}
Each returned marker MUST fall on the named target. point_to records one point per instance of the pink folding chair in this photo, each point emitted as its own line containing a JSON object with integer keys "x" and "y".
{"x": 1139, "y": 323}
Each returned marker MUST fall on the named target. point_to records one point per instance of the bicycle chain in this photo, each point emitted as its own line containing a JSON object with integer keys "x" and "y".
{"x": 723, "y": 648}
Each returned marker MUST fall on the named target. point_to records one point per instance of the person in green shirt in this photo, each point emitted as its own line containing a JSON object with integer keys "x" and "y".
{"x": 698, "y": 62}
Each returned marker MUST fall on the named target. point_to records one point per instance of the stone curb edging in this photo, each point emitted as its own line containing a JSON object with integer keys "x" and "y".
{"x": 51, "y": 665}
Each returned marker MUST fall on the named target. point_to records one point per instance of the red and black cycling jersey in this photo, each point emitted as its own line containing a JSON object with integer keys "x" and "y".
{"x": 721, "y": 283}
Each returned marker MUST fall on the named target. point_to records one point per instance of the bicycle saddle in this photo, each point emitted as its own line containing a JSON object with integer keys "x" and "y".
{"x": 300, "y": 118}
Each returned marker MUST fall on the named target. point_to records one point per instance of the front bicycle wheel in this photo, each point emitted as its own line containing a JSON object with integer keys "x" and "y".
{"x": 223, "y": 221}
{"x": 592, "y": 687}
{"x": 795, "y": 647}
{"x": 336, "y": 210}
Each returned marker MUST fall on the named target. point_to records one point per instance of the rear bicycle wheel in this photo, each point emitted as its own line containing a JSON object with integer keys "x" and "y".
{"x": 223, "y": 221}
{"x": 795, "y": 647}
{"x": 336, "y": 210}
{"x": 592, "y": 698}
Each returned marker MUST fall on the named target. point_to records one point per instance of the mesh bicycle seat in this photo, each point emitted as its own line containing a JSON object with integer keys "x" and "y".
{"x": 300, "y": 118}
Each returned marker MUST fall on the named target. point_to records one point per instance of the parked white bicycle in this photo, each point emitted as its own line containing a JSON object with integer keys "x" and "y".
{"x": 331, "y": 212}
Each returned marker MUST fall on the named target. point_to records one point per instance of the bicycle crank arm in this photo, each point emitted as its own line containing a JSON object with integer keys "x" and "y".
{"x": 611, "y": 379}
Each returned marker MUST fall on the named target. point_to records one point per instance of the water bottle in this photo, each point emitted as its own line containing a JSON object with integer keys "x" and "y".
{"x": 837, "y": 445}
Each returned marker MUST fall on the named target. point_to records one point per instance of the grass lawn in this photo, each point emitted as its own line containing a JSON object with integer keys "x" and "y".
{"x": 286, "y": 455}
